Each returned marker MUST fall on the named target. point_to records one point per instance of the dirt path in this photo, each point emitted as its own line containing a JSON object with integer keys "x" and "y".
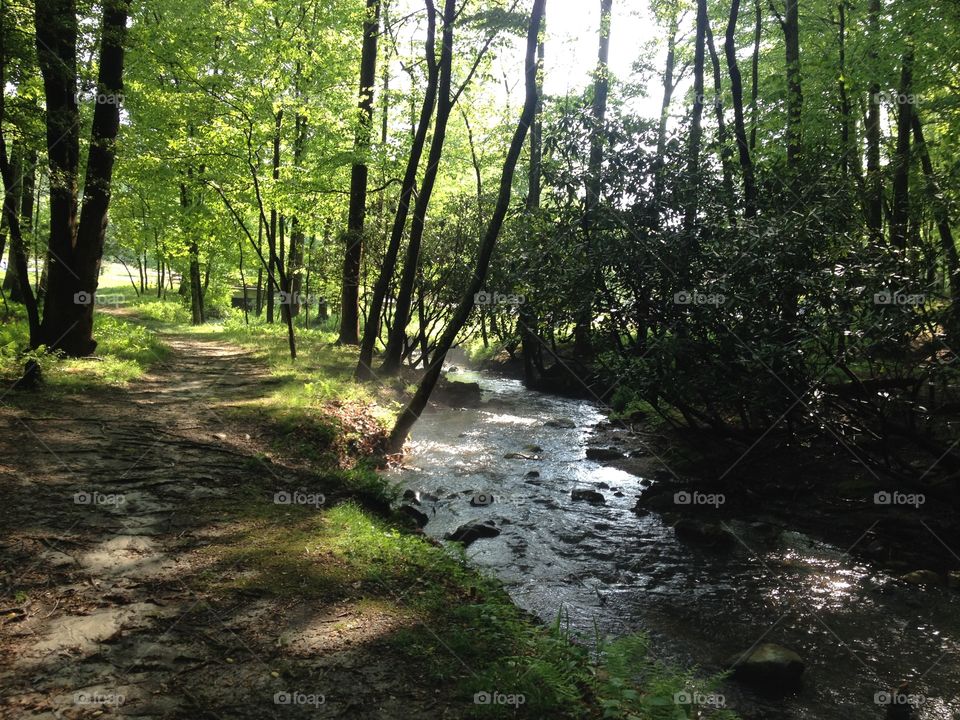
{"x": 104, "y": 564}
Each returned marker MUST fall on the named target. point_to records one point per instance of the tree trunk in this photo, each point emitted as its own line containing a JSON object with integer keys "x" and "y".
{"x": 416, "y": 405}
{"x": 371, "y": 330}
{"x": 755, "y": 73}
{"x": 11, "y": 281}
{"x": 901, "y": 161}
{"x": 396, "y": 339}
{"x": 940, "y": 214}
{"x": 598, "y": 114}
{"x": 350, "y": 295}
{"x": 696, "y": 131}
{"x": 874, "y": 200}
{"x": 739, "y": 127}
{"x": 791, "y": 36}
{"x": 722, "y": 136}
{"x": 668, "y": 88}
{"x": 76, "y": 251}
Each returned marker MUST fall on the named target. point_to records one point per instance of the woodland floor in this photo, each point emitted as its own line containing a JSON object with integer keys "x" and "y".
{"x": 145, "y": 599}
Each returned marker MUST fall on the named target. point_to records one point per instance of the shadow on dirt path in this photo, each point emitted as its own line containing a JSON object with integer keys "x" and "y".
{"x": 107, "y": 609}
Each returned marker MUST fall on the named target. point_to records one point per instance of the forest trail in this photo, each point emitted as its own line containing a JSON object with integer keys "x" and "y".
{"x": 120, "y": 608}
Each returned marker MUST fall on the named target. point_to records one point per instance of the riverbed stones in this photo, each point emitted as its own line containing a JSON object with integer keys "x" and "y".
{"x": 587, "y": 495}
{"x": 457, "y": 394}
{"x": 603, "y": 453}
{"x": 705, "y": 533}
{"x": 922, "y": 577}
{"x": 769, "y": 665}
{"x": 564, "y": 423}
{"x": 419, "y": 518}
{"x": 481, "y": 500}
{"x": 533, "y": 474}
{"x": 519, "y": 456}
{"x": 474, "y": 530}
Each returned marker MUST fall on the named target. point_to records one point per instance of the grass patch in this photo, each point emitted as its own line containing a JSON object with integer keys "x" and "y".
{"x": 124, "y": 352}
{"x": 460, "y": 627}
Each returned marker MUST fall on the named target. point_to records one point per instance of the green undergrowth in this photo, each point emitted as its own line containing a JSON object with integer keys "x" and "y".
{"x": 125, "y": 350}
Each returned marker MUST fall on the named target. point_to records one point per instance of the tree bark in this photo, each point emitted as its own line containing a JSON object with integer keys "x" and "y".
{"x": 371, "y": 329}
{"x": 353, "y": 255}
{"x": 396, "y": 339}
{"x": 76, "y": 251}
{"x": 582, "y": 342}
{"x": 940, "y": 214}
{"x": 901, "y": 162}
{"x": 415, "y": 407}
{"x": 739, "y": 126}
{"x": 874, "y": 185}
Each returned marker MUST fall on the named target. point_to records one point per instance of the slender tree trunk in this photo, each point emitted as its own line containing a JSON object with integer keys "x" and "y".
{"x": 598, "y": 113}
{"x": 901, "y": 162}
{"x": 739, "y": 128}
{"x": 940, "y": 213}
{"x": 371, "y": 329}
{"x": 273, "y": 262}
{"x": 696, "y": 130}
{"x": 874, "y": 199}
{"x": 528, "y": 322}
{"x": 396, "y": 339}
{"x": 18, "y": 253}
{"x": 350, "y": 297}
{"x": 755, "y": 72}
{"x": 668, "y": 88}
{"x": 415, "y": 407}
{"x": 11, "y": 281}
{"x": 722, "y": 134}
{"x": 791, "y": 35}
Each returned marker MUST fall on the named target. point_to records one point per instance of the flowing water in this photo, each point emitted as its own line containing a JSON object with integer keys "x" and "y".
{"x": 610, "y": 571}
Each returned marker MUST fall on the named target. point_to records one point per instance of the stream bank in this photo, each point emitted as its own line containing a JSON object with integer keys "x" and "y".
{"x": 520, "y": 460}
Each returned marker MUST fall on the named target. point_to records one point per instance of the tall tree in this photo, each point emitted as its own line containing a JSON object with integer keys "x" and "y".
{"x": 353, "y": 254}
{"x": 418, "y": 402}
{"x": 739, "y": 123}
{"x": 75, "y": 250}
{"x": 371, "y": 329}
{"x": 594, "y": 185}
{"x": 396, "y": 339}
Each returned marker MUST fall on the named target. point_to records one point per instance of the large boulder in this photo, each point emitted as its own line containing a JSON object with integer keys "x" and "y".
{"x": 457, "y": 394}
{"x": 565, "y": 423}
{"x": 769, "y": 665}
{"x": 419, "y": 517}
{"x": 922, "y": 577}
{"x": 474, "y": 530}
{"x": 602, "y": 453}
